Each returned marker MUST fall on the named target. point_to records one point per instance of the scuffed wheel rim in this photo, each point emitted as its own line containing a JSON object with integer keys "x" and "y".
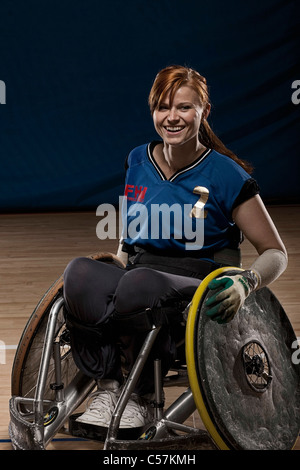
{"x": 248, "y": 397}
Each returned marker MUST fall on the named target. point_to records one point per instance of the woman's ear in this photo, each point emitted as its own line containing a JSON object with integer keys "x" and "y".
{"x": 206, "y": 111}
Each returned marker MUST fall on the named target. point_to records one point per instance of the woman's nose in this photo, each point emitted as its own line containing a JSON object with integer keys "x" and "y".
{"x": 173, "y": 115}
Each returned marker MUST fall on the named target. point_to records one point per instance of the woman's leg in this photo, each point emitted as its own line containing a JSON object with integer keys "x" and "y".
{"x": 93, "y": 291}
{"x": 89, "y": 288}
{"x": 147, "y": 288}
{"x": 143, "y": 288}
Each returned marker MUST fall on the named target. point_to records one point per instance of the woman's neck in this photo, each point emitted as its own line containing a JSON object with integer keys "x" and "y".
{"x": 173, "y": 158}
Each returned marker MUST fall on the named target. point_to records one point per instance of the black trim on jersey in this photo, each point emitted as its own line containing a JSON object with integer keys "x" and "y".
{"x": 250, "y": 188}
{"x": 179, "y": 172}
{"x": 126, "y": 164}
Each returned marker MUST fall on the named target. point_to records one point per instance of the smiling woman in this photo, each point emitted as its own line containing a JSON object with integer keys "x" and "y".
{"x": 177, "y": 121}
{"x": 188, "y": 178}
{"x": 172, "y": 86}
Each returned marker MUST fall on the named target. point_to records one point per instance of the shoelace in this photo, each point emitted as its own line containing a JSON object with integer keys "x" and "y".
{"x": 135, "y": 406}
{"x": 107, "y": 397}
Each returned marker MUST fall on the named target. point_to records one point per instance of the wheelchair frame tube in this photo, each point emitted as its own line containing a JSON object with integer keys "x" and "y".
{"x": 182, "y": 408}
{"x": 75, "y": 393}
{"x": 130, "y": 384}
{"x": 59, "y": 386}
{"x": 67, "y": 399}
{"x": 159, "y": 399}
{"x": 45, "y": 360}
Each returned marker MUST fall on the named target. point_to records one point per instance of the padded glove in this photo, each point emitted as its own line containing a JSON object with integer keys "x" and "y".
{"x": 224, "y": 304}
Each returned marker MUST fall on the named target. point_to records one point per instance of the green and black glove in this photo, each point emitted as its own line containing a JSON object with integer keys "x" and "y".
{"x": 225, "y": 303}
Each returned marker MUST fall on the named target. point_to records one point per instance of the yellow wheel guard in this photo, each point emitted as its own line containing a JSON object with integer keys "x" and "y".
{"x": 190, "y": 355}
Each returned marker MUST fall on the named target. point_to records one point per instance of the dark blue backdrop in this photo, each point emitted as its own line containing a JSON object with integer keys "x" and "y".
{"x": 78, "y": 73}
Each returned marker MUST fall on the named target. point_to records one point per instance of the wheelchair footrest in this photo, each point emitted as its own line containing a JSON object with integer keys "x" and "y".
{"x": 24, "y": 434}
{"x": 196, "y": 441}
{"x": 98, "y": 433}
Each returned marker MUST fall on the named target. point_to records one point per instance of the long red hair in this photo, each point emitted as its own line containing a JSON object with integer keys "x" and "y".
{"x": 169, "y": 80}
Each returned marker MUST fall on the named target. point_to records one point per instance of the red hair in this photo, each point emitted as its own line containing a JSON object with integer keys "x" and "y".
{"x": 169, "y": 80}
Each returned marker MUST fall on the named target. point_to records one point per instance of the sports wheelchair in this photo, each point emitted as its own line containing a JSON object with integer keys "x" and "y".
{"x": 239, "y": 376}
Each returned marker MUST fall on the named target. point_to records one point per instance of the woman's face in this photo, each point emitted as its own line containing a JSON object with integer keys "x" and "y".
{"x": 178, "y": 122}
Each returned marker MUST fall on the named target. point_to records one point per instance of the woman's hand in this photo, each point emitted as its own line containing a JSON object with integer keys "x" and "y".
{"x": 254, "y": 221}
{"x": 231, "y": 294}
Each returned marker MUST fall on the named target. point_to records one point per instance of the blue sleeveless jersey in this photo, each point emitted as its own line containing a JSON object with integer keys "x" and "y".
{"x": 190, "y": 211}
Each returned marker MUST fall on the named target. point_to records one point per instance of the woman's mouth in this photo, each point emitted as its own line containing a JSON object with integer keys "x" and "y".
{"x": 174, "y": 129}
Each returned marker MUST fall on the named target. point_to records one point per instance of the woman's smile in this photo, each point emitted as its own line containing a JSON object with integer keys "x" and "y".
{"x": 178, "y": 122}
{"x": 174, "y": 130}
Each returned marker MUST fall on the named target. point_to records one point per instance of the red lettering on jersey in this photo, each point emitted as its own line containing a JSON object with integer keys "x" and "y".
{"x": 128, "y": 189}
{"x": 135, "y": 193}
{"x": 139, "y": 193}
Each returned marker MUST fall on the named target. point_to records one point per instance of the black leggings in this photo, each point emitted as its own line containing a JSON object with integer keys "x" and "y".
{"x": 95, "y": 290}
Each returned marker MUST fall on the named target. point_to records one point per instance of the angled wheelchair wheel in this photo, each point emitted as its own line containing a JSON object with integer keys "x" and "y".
{"x": 244, "y": 382}
{"x": 28, "y": 355}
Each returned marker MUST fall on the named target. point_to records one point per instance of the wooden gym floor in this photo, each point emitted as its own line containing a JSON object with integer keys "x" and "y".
{"x": 34, "y": 250}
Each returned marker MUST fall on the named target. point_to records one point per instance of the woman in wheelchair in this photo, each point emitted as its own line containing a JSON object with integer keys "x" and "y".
{"x": 187, "y": 201}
